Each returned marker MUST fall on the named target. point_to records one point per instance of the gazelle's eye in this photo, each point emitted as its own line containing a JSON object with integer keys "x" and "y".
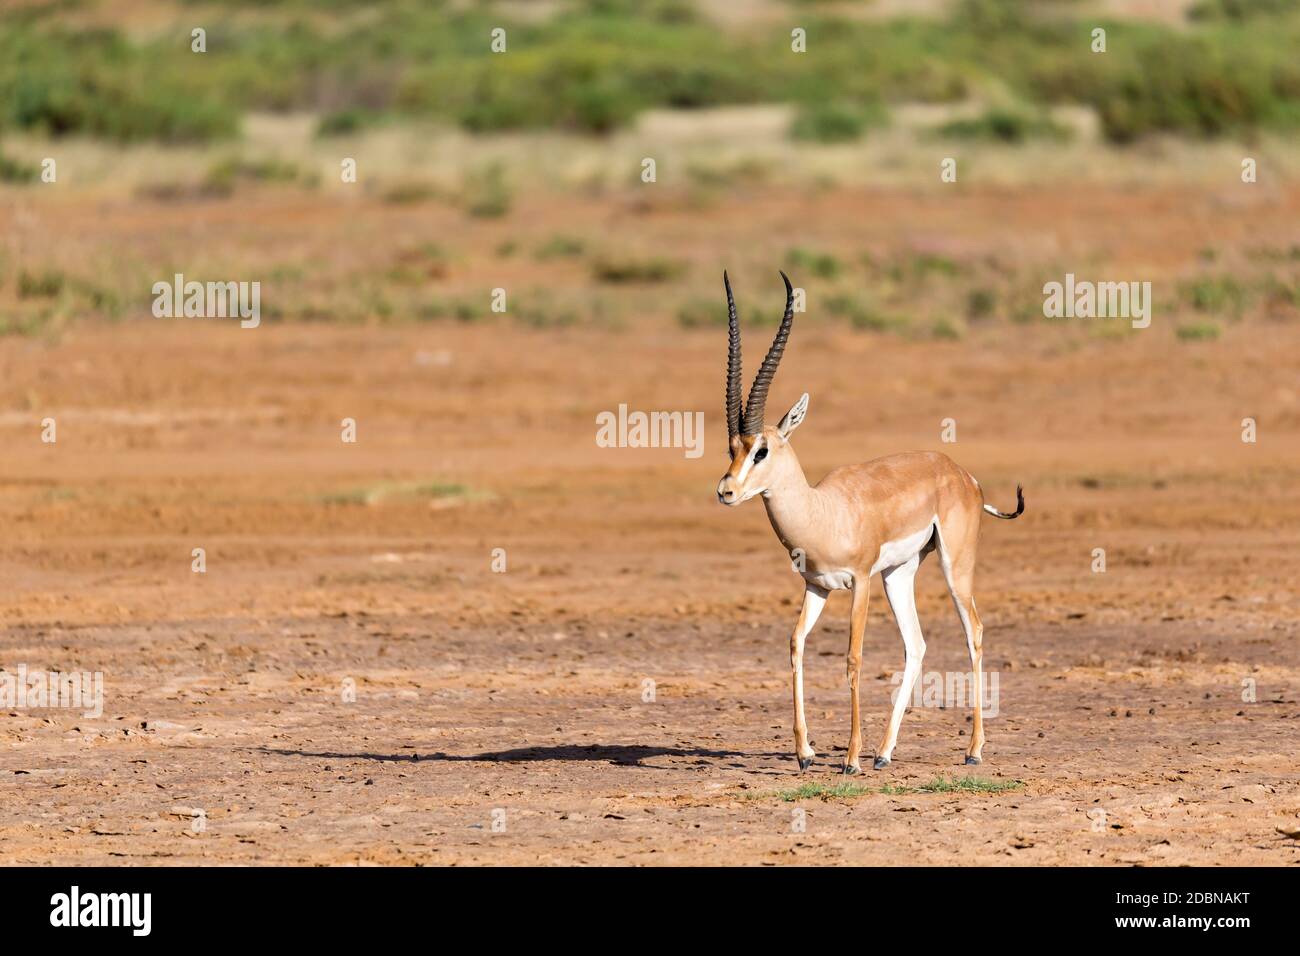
{"x": 760, "y": 454}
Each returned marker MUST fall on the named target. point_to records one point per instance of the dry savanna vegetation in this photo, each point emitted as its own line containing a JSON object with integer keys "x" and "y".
{"x": 354, "y": 679}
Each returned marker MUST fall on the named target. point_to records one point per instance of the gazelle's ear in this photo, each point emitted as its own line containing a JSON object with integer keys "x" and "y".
{"x": 794, "y": 417}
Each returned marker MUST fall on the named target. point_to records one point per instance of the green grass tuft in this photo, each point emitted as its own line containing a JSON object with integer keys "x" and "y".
{"x": 821, "y": 791}
{"x": 846, "y": 790}
{"x": 942, "y": 784}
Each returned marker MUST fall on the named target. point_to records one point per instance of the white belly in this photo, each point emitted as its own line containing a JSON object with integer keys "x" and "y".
{"x": 891, "y": 553}
{"x": 830, "y": 580}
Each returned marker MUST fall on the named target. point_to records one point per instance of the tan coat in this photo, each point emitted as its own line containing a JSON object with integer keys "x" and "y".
{"x": 880, "y": 517}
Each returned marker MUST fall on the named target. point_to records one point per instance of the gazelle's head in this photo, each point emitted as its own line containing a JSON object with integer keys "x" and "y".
{"x": 759, "y": 453}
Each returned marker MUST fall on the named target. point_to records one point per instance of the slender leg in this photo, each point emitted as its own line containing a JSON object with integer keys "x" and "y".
{"x": 853, "y": 666}
{"x": 957, "y": 543}
{"x": 959, "y": 571}
{"x": 902, "y": 601}
{"x": 814, "y": 599}
{"x": 975, "y": 644}
{"x": 964, "y": 601}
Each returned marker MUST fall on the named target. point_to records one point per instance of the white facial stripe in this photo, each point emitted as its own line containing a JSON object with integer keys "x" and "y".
{"x": 749, "y": 461}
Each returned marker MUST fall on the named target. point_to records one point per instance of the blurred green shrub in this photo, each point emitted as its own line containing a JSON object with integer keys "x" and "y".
{"x": 1216, "y": 295}
{"x": 344, "y": 122}
{"x": 40, "y": 285}
{"x": 1198, "y": 332}
{"x": 561, "y": 247}
{"x": 1239, "y": 9}
{"x": 835, "y": 121}
{"x": 596, "y": 65}
{"x": 485, "y": 192}
{"x": 823, "y": 265}
{"x": 1004, "y": 126}
{"x": 619, "y": 269}
{"x": 223, "y": 176}
{"x": 93, "y": 81}
{"x": 14, "y": 171}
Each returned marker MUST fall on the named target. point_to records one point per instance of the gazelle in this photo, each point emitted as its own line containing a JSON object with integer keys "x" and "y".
{"x": 882, "y": 517}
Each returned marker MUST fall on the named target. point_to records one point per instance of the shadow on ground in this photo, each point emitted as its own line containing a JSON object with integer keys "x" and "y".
{"x": 619, "y": 754}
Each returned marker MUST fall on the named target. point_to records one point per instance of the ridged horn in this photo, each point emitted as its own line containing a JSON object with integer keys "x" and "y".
{"x": 757, "y": 401}
{"x": 733, "y": 366}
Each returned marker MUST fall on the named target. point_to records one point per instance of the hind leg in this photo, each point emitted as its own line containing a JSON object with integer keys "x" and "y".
{"x": 965, "y": 603}
{"x": 958, "y": 561}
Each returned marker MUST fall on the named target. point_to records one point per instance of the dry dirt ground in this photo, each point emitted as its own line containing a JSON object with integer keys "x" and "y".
{"x": 502, "y": 718}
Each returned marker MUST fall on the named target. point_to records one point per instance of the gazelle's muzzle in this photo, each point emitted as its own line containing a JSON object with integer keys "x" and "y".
{"x": 729, "y": 490}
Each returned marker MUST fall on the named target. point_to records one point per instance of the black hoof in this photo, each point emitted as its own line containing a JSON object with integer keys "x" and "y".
{"x": 880, "y": 764}
{"x": 805, "y": 762}
{"x": 852, "y": 770}
{"x": 972, "y": 760}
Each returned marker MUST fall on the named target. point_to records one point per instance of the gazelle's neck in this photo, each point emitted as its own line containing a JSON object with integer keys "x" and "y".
{"x": 793, "y": 506}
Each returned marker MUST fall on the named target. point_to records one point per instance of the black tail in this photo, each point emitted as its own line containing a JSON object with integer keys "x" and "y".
{"x": 1020, "y": 507}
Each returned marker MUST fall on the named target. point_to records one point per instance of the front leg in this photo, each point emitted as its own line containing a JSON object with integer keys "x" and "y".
{"x": 899, "y": 589}
{"x": 853, "y": 664}
{"x": 814, "y": 599}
